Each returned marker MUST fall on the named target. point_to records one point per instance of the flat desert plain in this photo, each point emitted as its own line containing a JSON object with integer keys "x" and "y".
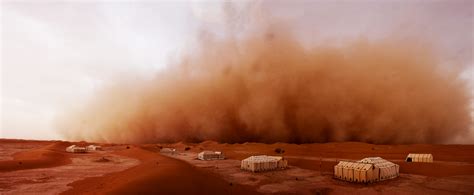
{"x": 44, "y": 167}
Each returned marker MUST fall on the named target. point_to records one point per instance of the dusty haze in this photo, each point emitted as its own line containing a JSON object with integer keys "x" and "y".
{"x": 267, "y": 87}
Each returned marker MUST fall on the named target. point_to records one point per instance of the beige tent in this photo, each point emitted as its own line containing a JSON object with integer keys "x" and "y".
{"x": 412, "y": 157}
{"x": 366, "y": 170}
{"x": 93, "y": 148}
{"x": 211, "y": 155}
{"x": 263, "y": 163}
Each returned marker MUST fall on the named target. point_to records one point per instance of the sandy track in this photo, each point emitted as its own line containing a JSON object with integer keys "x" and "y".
{"x": 157, "y": 174}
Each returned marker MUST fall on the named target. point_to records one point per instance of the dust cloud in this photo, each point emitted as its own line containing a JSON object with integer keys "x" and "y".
{"x": 268, "y": 87}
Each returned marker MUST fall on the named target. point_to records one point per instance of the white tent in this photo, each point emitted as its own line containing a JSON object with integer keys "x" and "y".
{"x": 211, "y": 155}
{"x": 93, "y": 148}
{"x": 76, "y": 149}
{"x": 263, "y": 163}
{"x": 412, "y": 157}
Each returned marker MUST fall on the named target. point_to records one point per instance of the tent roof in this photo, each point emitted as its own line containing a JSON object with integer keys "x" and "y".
{"x": 378, "y": 162}
{"x": 263, "y": 158}
{"x": 413, "y": 155}
{"x": 354, "y": 165}
{"x": 374, "y": 160}
{"x": 210, "y": 152}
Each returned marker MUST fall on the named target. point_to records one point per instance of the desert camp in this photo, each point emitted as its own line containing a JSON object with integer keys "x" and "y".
{"x": 236, "y": 97}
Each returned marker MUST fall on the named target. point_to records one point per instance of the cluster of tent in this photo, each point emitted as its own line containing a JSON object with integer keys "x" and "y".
{"x": 253, "y": 163}
{"x": 367, "y": 170}
{"x": 373, "y": 169}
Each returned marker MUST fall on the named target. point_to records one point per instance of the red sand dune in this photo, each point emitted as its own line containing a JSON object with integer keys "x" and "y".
{"x": 46, "y": 156}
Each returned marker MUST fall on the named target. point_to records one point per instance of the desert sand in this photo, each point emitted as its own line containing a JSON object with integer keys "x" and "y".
{"x": 43, "y": 167}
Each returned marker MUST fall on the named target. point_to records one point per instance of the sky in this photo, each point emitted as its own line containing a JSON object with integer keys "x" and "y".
{"x": 58, "y": 53}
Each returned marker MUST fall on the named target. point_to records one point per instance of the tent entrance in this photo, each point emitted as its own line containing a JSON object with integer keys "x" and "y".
{"x": 409, "y": 159}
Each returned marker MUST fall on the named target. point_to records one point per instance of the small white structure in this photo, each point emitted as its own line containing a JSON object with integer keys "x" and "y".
{"x": 412, "y": 157}
{"x": 263, "y": 163}
{"x": 93, "y": 148}
{"x": 168, "y": 150}
{"x": 211, "y": 155}
{"x": 76, "y": 149}
{"x": 367, "y": 170}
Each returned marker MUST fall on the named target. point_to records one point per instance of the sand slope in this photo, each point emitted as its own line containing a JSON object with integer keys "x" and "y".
{"x": 39, "y": 155}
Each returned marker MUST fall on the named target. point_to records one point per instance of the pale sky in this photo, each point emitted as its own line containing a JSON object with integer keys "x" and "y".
{"x": 57, "y": 53}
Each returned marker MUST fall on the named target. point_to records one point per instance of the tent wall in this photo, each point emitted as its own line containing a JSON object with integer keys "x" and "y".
{"x": 210, "y": 156}
{"x": 370, "y": 175}
{"x": 420, "y": 158}
{"x": 389, "y": 172}
{"x": 356, "y": 175}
